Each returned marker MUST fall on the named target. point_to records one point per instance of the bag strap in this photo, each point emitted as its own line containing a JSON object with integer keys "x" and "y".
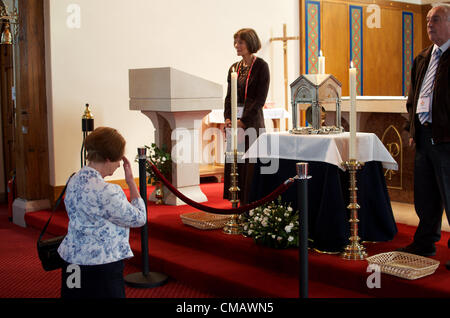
{"x": 58, "y": 201}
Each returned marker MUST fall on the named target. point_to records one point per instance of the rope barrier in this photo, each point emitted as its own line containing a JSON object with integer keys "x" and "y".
{"x": 270, "y": 197}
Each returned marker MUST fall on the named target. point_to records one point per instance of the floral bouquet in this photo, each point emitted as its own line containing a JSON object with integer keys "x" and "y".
{"x": 274, "y": 224}
{"x": 162, "y": 160}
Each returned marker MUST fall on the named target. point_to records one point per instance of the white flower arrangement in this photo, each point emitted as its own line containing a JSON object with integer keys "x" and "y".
{"x": 274, "y": 224}
{"x": 161, "y": 158}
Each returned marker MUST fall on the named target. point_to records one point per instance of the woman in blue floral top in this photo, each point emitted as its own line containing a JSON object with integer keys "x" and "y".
{"x": 100, "y": 216}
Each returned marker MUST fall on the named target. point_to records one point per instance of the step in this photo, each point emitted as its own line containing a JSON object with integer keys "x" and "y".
{"x": 220, "y": 275}
{"x": 353, "y": 275}
{"x": 193, "y": 274}
{"x": 246, "y": 259}
{"x": 216, "y": 242}
{"x": 227, "y": 278}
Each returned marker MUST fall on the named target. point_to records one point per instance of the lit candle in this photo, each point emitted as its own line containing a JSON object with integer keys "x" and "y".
{"x": 352, "y": 91}
{"x": 233, "y": 110}
{"x": 321, "y": 63}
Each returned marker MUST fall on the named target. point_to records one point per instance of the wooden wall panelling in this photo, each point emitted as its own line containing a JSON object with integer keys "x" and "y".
{"x": 31, "y": 132}
{"x": 335, "y": 41}
{"x": 383, "y": 57}
{"x": 400, "y": 183}
{"x": 382, "y": 47}
{"x": 423, "y": 28}
{"x": 7, "y": 109}
{"x": 383, "y": 4}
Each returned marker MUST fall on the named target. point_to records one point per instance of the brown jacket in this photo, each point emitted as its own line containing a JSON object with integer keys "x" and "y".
{"x": 258, "y": 86}
{"x": 441, "y": 95}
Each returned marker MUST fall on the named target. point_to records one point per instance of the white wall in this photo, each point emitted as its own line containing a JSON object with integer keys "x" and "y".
{"x": 90, "y": 64}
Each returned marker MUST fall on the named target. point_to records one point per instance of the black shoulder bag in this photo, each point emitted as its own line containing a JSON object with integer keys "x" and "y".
{"x": 48, "y": 249}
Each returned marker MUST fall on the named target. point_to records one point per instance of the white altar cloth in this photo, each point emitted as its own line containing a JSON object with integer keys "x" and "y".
{"x": 333, "y": 148}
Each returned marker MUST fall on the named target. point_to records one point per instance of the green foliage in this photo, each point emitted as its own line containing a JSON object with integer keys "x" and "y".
{"x": 274, "y": 224}
{"x": 162, "y": 160}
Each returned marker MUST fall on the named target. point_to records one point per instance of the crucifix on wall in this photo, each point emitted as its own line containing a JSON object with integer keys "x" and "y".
{"x": 285, "y": 40}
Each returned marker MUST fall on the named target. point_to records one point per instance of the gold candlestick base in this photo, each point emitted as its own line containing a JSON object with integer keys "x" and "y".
{"x": 355, "y": 250}
{"x": 232, "y": 226}
{"x": 159, "y": 194}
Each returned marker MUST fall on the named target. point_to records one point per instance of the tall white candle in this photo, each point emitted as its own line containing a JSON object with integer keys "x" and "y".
{"x": 321, "y": 63}
{"x": 233, "y": 110}
{"x": 352, "y": 88}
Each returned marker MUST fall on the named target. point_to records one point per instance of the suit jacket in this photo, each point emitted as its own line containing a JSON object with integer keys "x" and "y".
{"x": 258, "y": 86}
{"x": 441, "y": 95}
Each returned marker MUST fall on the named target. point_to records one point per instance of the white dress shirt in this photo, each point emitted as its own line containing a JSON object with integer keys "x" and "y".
{"x": 443, "y": 48}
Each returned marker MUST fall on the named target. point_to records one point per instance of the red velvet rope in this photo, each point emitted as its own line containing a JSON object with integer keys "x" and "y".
{"x": 281, "y": 188}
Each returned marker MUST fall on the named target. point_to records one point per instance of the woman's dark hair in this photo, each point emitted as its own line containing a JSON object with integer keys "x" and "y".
{"x": 103, "y": 144}
{"x": 250, "y": 38}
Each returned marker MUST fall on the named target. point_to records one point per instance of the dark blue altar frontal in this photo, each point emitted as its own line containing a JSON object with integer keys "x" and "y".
{"x": 328, "y": 197}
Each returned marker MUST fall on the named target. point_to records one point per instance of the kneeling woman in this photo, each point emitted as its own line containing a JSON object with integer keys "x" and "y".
{"x": 100, "y": 216}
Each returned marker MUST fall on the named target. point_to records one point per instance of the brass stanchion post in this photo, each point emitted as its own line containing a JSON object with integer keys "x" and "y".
{"x": 354, "y": 250}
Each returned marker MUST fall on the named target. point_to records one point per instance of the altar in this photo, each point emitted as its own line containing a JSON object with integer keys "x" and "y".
{"x": 328, "y": 195}
{"x": 272, "y": 117}
{"x": 385, "y": 116}
{"x": 213, "y": 138}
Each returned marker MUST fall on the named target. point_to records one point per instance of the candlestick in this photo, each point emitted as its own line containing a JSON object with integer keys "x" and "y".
{"x": 352, "y": 91}
{"x": 233, "y": 110}
{"x": 232, "y": 226}
{"x": 321, "y": 63}
{"x": 354, "y": 250}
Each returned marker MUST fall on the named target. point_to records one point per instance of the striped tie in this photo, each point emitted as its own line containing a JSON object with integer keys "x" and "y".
{"x": 428, "y": 84}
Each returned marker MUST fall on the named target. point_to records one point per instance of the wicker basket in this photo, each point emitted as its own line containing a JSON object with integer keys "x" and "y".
{"x": 205, "y": 221}
{"x": 404, "y": 265}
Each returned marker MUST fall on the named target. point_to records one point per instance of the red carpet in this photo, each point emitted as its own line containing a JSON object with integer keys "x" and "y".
{"x": 21, "y": 274}
{"x": 234, "y": 266}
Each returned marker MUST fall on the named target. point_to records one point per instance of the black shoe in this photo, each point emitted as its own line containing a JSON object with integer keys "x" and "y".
{"x": 447, "y": 265}
{"x": 414, "y": 248}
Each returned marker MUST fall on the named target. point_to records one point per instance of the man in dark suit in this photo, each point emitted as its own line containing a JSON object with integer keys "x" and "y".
{"x": 429, "y": 127}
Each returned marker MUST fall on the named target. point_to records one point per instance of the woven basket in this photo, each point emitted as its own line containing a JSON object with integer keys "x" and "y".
{"x": 205, "y": 221}
{"x": 404, "y": 265}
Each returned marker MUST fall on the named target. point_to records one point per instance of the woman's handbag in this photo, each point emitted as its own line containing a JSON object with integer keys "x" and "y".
{"x": 48, "y": 249}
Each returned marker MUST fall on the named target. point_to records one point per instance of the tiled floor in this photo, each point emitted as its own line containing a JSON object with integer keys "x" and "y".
{"x": 405, "y": 213}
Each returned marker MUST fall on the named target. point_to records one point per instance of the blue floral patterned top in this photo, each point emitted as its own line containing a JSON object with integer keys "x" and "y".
{"x": 99, "y": 220}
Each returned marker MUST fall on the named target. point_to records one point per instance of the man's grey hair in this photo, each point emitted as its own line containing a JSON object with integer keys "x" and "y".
{"x": 445, "y": 7}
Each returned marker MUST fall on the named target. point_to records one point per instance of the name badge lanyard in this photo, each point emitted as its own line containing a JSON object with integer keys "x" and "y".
{"x": 248, "y": 77}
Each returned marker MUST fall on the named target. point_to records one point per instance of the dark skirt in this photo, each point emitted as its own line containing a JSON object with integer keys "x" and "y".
{"x": 94, "y": 281}
{"x": 245, "y": 176}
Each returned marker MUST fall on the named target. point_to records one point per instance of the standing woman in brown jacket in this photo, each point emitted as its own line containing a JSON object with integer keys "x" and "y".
{"x": 252, "y": 87}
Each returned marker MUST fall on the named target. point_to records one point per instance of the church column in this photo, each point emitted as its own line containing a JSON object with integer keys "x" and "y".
{"x": 31, "y": 134}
